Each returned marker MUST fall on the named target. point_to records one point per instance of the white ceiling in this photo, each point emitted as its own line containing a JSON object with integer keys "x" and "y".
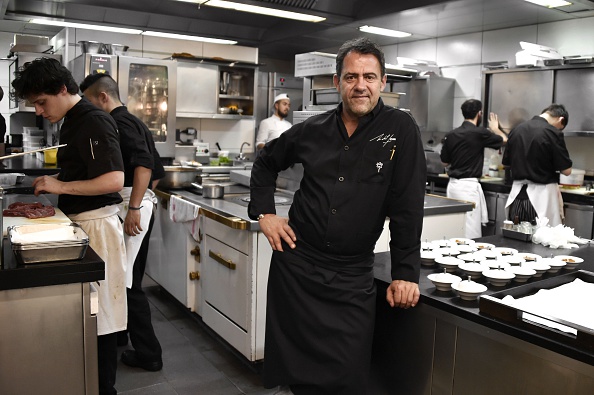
{"x": 282, "y": 39}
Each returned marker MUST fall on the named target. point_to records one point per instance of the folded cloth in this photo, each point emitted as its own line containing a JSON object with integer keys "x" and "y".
{"x": 186, "y": 212}
{"x": 181, "y": 210}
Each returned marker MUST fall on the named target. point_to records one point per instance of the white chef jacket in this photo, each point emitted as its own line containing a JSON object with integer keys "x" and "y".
{"x": 133, "y": 242}
{"x": 470, "y": 190}
{"x": 545, "y": 198}
{"x": 106, "y": 238}
{"x": 271, "y": 128}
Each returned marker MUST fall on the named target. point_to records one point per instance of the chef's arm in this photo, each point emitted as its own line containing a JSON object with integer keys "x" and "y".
{"x": 110, "y": 182}
{"x": 566, "y": 172}
{"x": 142, "y": 178}
{"x": 494, "y": 127}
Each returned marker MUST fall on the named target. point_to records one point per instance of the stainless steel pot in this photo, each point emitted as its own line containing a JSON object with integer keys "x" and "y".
{"x": 179, "y": 176}
{"x": 211, "y": 191}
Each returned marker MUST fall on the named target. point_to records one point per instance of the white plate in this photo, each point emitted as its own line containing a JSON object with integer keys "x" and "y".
{"x": 484, "y": 246}
{"x": 443, "y": 281}
{"x": 514, "y": 260}
{"x": 529, "y": 257}
{"x": 466, "y": 248}
{"x": 469, "y": 290}
{"x": 428, "y": 246}
{"x": 443, "y": 243}
{"x": 428, "y": 257}
{"x": 471, "y": 257}
{"x": 462, "y": 241}
{"x": 449, "y": 263}
{"x": 505, "y": 251}
{"x": 568, "y": 259}
{"x": 447, "y": 251}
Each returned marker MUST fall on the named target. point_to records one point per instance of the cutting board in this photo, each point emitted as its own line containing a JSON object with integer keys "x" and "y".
{"x": 59, "y": 218}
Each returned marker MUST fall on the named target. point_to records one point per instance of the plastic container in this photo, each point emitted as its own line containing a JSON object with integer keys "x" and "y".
{"x": 50, "y": 156}
{"x": 575, "y": 179}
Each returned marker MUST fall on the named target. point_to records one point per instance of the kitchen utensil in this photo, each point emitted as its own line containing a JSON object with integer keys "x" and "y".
{"x": 32, "y": 151}
{"x": 91, "y": 47}
{"x": 224, "y": 82}
{"x": 211, "y": 191}
{"x": 115, "y": 49}
{"x": 218, "y": 146}
{"x": 177, "y": 177}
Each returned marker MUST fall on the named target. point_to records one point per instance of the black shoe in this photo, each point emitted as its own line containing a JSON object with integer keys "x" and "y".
{"x": 130, "y": 358}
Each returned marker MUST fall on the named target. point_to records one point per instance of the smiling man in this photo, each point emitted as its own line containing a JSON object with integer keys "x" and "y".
{"x": 363, "y": 162}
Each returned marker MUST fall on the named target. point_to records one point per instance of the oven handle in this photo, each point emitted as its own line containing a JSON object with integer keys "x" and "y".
{"x": 231, "y": 222}
{"x": 219, "y": 258}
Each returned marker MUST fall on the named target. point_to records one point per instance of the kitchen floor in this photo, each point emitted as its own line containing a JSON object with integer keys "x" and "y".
{"x": 194, "y": 362}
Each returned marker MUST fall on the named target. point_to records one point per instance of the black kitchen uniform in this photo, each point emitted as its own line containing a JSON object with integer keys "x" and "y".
{"x": 464, "y": 149}
{"x": 93, "y": 150}
{"x": 138, "y": 149}
{"x": 321, "y": 295}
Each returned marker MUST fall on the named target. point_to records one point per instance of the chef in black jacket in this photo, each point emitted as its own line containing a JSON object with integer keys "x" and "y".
{"x": 91, "y": 174}
{"x": 140, "y": 158}
{"x": 463, "y": 151}
{"x": 536, "y": 153}
{"x": 363, "y": 162}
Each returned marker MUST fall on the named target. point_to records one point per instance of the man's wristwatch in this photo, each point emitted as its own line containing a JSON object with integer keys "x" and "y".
{"x": 261, "y": 216}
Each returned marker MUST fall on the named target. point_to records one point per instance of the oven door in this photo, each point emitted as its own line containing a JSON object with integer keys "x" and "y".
{"x": 148, "y": 88}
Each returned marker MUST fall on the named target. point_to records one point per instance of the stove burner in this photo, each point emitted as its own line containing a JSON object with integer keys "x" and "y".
{"x": 277, "y": 199}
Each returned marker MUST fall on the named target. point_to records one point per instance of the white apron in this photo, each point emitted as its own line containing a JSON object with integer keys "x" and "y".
{"x": 105, "y": 237}
{"x": 469, "y": 189}
{"x": 133, "y": 242}
{"x": 546, "y": 199}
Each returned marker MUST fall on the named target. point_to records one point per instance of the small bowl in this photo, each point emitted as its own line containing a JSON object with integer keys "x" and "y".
{"x": 466, "y": 248}
{"x": 529, "y": 257}
{"x": 498, "y": 278}
{"x": 469, "y": 290}
{"x": 443, "y": 281}
{"x": 496, "y": 264}
{"x": 472, "y": 269}
{"x": 522, "y": 273}
{"x": 555, "y": 264}
{"x": 539, "y": 267}
{"x": 505, "y": 251}
{"x": 425, "y": 246}
{"x": 513, "y": 260}
{"x": 571, "y": 262}
{"x": 448, "y": 251}
{"x": 471, "y": 257}
{"x": 443, "y": 243}
{"x": 449, "y": 263}
{"x": 428, "y": 257}
{"x": 462, "y": 241}
{"x": 484, "y": 246}
{"x": 488, "y": 254}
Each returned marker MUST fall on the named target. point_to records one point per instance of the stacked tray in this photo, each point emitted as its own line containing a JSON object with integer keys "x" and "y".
{"x": 43, "y": 243}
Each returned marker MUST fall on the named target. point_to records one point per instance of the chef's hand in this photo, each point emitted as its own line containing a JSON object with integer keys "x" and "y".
{"x": 493, "y": 121}
{"x": 132, "y": 223}
{"x": 275, "y": 229}
{"x": 47, "y": 184}
{"x": 403, "y": 294}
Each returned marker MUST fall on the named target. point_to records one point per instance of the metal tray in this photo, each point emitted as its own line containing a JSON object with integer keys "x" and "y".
{"x": 513, "y": 234}
{"x": 491, "y": 305}
{"x": 52, "y": 251}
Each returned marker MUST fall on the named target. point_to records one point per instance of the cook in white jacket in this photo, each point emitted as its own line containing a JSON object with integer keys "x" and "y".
{"x": 274, "y": 126}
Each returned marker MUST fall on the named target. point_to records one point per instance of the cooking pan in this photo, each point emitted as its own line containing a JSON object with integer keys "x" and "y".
{"x": 211, "y": 191}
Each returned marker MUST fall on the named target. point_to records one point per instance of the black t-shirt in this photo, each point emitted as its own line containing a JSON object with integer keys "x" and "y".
{"x": 464, "y": 149}
{"x": 93, "y": 150}
{"x": 136, "y": 143}
{"x": 536, "y": 151}
{"x": 350, "y": 186}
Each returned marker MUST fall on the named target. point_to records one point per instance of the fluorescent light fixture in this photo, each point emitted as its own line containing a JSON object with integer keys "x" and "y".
{"x": 258, "y": 10}
{"x": 550, "y": 3}
{"x": 50, "y": 22}
{"x": 383, "y": 32}
{"x": 191, "y": 38}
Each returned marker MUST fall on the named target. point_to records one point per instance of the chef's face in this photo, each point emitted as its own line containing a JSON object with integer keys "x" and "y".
{"x": 51, "y": 107}
{"x": 282, "y": 108}
{"x": 360, "y": 83}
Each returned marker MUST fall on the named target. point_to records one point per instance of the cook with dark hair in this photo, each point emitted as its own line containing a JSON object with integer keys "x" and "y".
{"x": 91, "y": 175}
{"x": 363, "y": 163}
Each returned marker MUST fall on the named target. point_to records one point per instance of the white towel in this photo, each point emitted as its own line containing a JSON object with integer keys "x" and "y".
{"x": 181, "y": 210}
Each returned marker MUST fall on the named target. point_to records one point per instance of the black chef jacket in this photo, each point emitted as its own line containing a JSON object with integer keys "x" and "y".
{"x": 350, "y": 186}
{"x": 93, "y": 150}
{"x": 464, "y": 149}
{"x": 536, "y": 151}
{"x": 136, "y": 143}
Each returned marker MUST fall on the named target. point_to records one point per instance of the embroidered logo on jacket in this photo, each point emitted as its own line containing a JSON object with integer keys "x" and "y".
{"x": 384, "y": 138}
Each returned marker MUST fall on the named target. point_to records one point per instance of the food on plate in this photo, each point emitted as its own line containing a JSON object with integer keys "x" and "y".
{"x": 29, "y": 210}
{"x": 567, "y": 260}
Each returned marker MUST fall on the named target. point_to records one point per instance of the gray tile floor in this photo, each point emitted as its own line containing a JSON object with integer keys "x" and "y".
{"x": 194, "y": 362}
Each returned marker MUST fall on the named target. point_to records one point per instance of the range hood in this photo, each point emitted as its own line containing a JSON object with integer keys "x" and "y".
{"x": 25, "y": 43}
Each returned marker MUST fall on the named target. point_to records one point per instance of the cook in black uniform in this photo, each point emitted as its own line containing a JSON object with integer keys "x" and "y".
{"x": 140, "y": 157}
{"x": 363, "y": 163}
{"x": 463, "y": 151}
{"x": 535, "y": 152}
{"x": 91, "y": 174}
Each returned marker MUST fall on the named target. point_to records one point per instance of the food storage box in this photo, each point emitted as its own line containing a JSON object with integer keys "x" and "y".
{"x": 42, "y": 243}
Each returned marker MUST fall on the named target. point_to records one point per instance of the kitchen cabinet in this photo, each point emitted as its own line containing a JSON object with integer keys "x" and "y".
{"x": 197, "y": 89}
{"x": 580, "y": 218}
{"x": 235, "y": 272}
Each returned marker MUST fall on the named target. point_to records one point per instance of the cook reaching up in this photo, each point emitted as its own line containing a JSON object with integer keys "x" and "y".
{"x": 363, "y": 162}
{"x": 91, "y": 175}
{"x": 536, "y": 153}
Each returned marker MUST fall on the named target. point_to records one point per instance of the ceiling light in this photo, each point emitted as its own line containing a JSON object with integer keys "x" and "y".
{"x": 383, "y": 32}
{"x": 550, "y": 3}
{"x": 258, "y": 10}
{"x": 50, "y": 22}
{"x": 191, "y": 38}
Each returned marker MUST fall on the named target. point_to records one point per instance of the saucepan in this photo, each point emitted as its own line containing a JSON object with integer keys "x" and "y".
{"x": 211, "y": 191}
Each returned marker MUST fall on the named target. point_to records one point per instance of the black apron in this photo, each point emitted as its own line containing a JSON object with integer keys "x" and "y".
{"x": 319, "y": 325}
